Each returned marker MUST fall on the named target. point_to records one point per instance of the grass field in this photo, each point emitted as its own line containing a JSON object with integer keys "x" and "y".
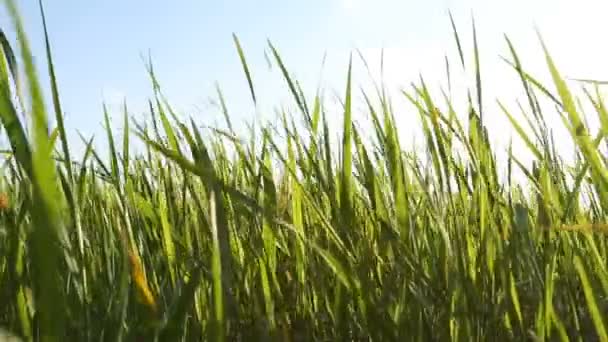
{"x": 285, "y": 236}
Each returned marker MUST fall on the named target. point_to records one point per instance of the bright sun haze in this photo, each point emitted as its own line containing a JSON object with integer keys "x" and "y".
{"x": 100, "y": 50}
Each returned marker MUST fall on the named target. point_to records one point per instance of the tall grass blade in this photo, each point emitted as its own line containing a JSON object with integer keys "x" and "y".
{"x": 244, "y": 65}
{"x": 45, "y": 243}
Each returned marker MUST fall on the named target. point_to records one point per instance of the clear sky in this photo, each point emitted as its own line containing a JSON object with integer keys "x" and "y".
{"x": 98, "y": 48}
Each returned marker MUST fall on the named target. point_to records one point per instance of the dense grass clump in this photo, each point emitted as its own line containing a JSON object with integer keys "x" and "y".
{"x": 290, "y": 237}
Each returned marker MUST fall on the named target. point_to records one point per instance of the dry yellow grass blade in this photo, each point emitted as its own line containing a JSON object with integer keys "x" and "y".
{"x": 138, "y": 276}
{"x": 585, "y": 227}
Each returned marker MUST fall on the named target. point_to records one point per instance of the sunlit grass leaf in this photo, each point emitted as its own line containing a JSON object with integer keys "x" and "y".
{"x": 592, "y": 305}
{"x": 581, "y": 134}
{"x": 45, "y": 239}
{"x": 237, "y": 43}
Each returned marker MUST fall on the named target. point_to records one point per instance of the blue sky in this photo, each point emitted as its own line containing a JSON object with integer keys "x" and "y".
{"x": 98, "y": 47}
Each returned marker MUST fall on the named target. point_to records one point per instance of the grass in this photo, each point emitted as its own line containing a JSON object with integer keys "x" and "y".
{"x": 290, "y": 237}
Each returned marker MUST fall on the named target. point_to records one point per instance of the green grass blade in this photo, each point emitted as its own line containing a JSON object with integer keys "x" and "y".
{"x": 581, "y": 135}
{"x": 112, "y": 148}
{"x": 457, "y": 38}
{"x": 125, "y": 141}
{"x": 521, "y": 132}
{"x": 245, "y": 67}
{"x": 216, "y": 271}
{"x": 478, "y": 87}
{"x": 346, "y": 173}
{"x": 290, "y": 83}
{"x": 596, "y": 316}
{"x": 55, "y": 94}
{"x": 45, "y": 241}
